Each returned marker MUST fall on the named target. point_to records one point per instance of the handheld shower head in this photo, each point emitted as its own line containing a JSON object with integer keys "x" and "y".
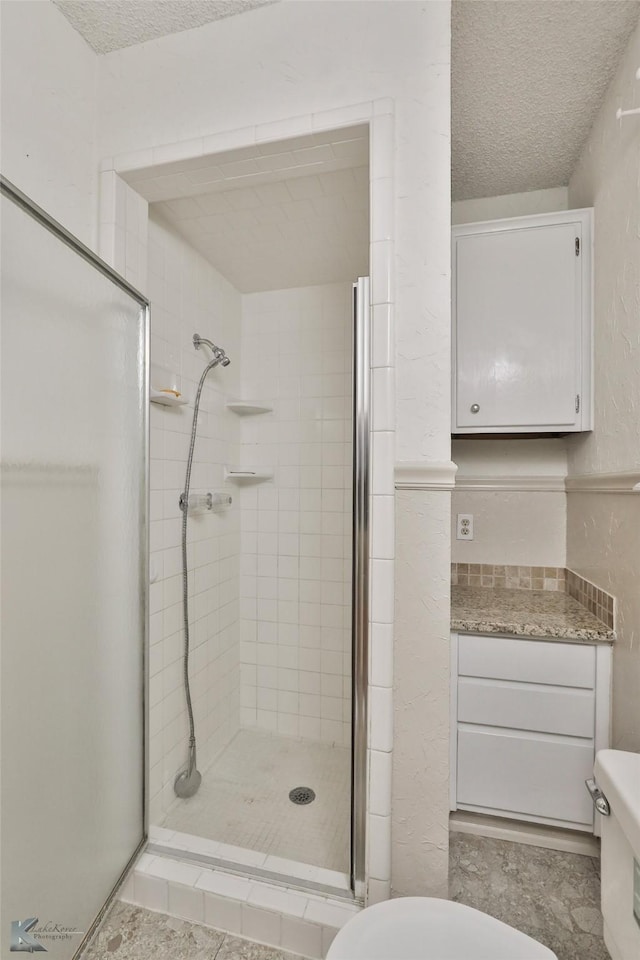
{"x": 217, "y": 352}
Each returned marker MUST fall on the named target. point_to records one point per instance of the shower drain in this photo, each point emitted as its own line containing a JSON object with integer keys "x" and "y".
{"x": 301, "y": 795}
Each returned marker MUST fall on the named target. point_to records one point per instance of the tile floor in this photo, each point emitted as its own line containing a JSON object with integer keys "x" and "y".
{"x": 131, "y": 933}
{"x": 244, "y": 800}
{"x": 552, "y": 896}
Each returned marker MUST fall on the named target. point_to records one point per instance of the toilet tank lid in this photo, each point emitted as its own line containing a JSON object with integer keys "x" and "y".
{"x": 618, "y": 776}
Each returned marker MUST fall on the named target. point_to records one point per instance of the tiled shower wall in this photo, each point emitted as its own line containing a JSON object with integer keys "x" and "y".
{"x": 188, "y": 296}
{"x": 296, "y": 529}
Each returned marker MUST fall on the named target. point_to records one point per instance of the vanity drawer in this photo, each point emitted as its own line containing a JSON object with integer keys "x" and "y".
{"x": 529, "y": 661}
{"x": 525, "y": 775}
{"x": 522, "y": 706}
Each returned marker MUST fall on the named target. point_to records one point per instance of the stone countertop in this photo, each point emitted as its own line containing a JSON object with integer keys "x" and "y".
{"x": 525, "y": 613}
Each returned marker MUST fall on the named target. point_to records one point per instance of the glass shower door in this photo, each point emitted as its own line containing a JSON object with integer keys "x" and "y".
{"x": 73, "y": 564}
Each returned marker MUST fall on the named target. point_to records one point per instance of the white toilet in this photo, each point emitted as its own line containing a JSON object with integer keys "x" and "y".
{"x": 424, "y": 928}
{"x": 618, "y": 777}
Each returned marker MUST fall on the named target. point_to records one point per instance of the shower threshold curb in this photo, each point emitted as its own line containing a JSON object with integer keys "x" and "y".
{"x": 301, "y": 921}
{"x": 290, "y": 881}
{"x": 249, "y": 862}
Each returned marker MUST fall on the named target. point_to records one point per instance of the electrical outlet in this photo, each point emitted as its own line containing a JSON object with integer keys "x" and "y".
{"x": 464, "y": 526}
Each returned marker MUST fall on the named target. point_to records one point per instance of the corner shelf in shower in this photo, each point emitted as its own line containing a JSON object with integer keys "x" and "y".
{"x": 247, "y": 475}
{"x": 247, "y": 407}
{"x": 166, "y": 399}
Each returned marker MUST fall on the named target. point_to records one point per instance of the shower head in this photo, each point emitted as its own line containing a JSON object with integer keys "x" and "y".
{"x": 217, "y": 352}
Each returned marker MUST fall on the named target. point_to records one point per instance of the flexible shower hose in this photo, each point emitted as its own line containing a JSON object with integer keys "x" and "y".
{"x": 185, "y": 579}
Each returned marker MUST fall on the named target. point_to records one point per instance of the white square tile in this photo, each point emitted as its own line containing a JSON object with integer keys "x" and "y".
{"x": 328, "y": 936}
{"x": 144, "y": 862}
{"x": 329, "y": 914}
{"x": 382, "y": 147}
{"x": 224, "y": 884}
{"x": 383, "y": 527}
{"x": 261, "y": 925}
{"x": 126, "y": 891}
{"x": 174, "y": 870}
{"x": 384, "y": 399}
{"x": 382, "y": 335}
{"x": 228, "y": 140}
{"x": 382, "y": 591}
{"x": 250, "y": 858}
{"x": 281, "y": 129}
{"x": 383, "y": 463}
{"x": 186, "y": 902}
{"x": 151, "y": 892}
{"x": 382, "y": 209}
{"x": 222, "y": 913}
{"x": 380, "y": 783}
{"x": 381, "y": 655}
{"x": 381, "y": 719}
{"x": 278, "y": 899}
{"x": 343, "y": 116}
{"x": 378, "y": 891}
{"x": 301, "y": 937}
{"x": 382, "y": 272}
{"x": 171, "y": 152}
{"x": 379, "y": 830}
{"x": 135, "y": 160}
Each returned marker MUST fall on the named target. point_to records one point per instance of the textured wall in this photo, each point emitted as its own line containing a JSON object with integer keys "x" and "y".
{"x": 512, "y": 527}
{"x": 603, "y": 530}
{"x": 607, "y": 177}
{"x": 48, "y": 114}
{"x": 604, "y": 547}
{"x": 510, "y": 205}
{"x": 420, "y": 812}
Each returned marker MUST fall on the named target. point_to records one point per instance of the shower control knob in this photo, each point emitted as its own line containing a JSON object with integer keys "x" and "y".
{"x": 475, "y": 408}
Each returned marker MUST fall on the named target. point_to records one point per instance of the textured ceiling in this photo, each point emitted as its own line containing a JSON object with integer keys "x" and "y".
{"x": 528, "y": 78}
{"x": 109, "y": 25}
{"x": 288, "y": 214}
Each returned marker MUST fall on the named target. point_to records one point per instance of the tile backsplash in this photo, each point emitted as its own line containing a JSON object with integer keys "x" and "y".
{"x": 600, "y": 603}
{"x": 597, "y": 601}
{"x": 509, "y": 577}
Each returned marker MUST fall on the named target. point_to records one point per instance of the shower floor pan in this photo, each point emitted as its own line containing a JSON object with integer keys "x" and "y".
{"x": 244, "y": 800}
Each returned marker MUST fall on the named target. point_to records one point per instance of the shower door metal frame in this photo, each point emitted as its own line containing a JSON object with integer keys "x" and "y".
{"x": 21, "y": 200}
{"x": 360, "y": 581}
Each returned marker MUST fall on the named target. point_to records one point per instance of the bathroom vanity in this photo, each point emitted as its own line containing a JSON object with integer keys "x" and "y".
{"x": 530, "y": 680}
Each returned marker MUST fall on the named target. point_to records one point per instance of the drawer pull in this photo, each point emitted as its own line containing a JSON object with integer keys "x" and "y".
{"x": 600, "y": 802}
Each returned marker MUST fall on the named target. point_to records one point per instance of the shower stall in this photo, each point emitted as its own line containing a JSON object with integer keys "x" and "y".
{"x": 274, "y": 788}
{"x": 258, "y": 702}
{"x": 186, "y": 516}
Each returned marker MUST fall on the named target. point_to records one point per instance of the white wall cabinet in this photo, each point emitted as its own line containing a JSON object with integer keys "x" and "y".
{"x": 522, "y": 322}
{"x": 527, "y": 717}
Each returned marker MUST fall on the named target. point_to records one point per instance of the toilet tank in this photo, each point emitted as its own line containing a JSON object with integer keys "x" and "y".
{"x": 618, "y": 776}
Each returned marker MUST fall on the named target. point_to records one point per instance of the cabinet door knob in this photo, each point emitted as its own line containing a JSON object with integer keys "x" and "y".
{"x": 475, "y": 408}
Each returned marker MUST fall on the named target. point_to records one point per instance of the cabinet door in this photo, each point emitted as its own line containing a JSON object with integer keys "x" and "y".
{"x": 518, "y": 327}
{"x": 524, "y": 774}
